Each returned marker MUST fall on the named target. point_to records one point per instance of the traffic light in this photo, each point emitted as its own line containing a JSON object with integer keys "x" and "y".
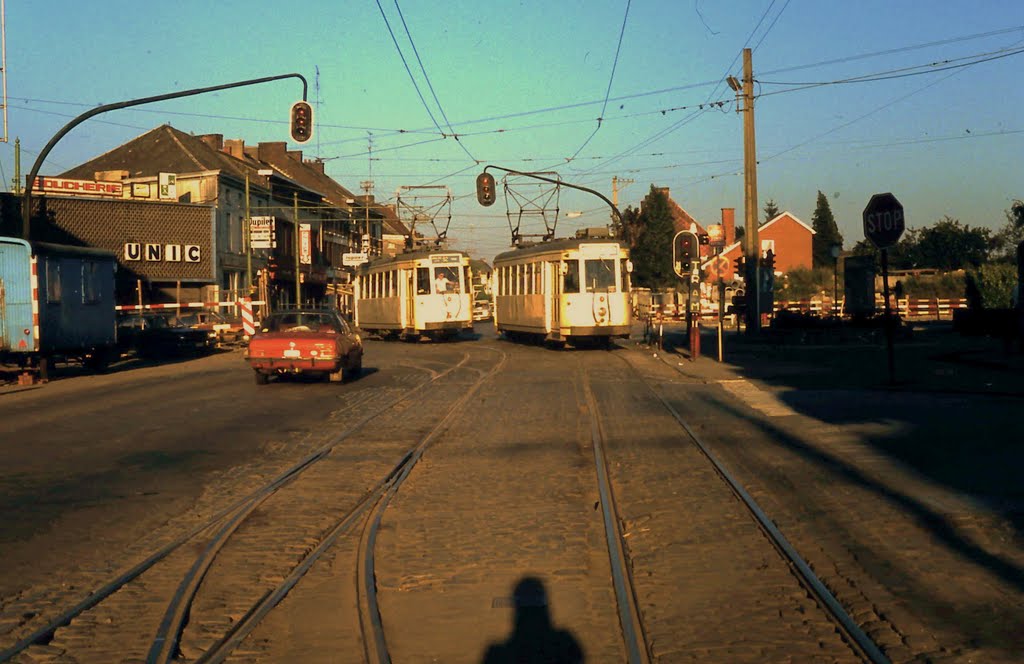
{"x": 685, "y": 251}
{"x": 769, "y": 260}
{"x": 739, "y": 264}
{"x": 485, "y": 189}
{"x": 705, "y": 238}
{"x": 301, "y": 122}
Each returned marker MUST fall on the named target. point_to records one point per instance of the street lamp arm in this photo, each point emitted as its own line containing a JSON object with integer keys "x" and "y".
{"x": 27, "y": 203}
{"x": 615, "y": 210}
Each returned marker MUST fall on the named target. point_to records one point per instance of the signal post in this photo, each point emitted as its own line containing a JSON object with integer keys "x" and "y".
{"x": 686, "y": 264}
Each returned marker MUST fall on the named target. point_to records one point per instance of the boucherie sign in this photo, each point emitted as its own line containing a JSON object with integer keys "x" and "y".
{"x": 45, "y": 185}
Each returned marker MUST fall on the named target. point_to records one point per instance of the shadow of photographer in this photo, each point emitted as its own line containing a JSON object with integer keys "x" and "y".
{"x": 534, "y": 640}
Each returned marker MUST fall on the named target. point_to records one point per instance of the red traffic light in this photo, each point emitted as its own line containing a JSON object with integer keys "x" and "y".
{"x": 685, "y": 251}
{"x": 301, "y": 122}
{"x": 485, "y": 189}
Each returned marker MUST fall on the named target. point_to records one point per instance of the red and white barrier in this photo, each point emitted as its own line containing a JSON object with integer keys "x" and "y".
{"x": 248, "y": 325}
{"x": 180, "y": 305}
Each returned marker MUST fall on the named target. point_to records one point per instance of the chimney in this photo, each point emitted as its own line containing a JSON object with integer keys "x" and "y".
{"x": 296, "y": 155}
{"x": 271, "y": 152}
{"x": 316, "y": 165}
{"x": 215, "y": 141}
{"x": 235, "y": 147}
{"x": 729, "y": 224}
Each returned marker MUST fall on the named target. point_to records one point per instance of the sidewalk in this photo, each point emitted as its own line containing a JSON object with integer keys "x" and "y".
{"x": 932, "y": 359}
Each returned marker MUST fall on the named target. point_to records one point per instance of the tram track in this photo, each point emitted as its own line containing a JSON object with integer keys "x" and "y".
{"x": 183, "y": 609}
{"x": 864, "y": 648}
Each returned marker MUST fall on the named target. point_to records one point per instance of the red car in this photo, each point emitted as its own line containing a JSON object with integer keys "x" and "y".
{"x": 305, "y": 341}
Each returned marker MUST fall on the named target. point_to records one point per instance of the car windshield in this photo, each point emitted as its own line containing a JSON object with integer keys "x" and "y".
{"x": 300, "y": 322}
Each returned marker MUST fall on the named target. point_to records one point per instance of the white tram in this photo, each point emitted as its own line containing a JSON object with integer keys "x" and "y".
{"x": 565, "y": 291}
{"x": 415, "y": 294}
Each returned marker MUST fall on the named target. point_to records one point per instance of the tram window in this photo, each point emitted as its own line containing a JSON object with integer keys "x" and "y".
{"x": 624, "y": 271}
{"x": 572, "y": 277}
{"x": 600, "y": 275}
{"x": 422, "y": 280}
{"x": 467, "y": 279}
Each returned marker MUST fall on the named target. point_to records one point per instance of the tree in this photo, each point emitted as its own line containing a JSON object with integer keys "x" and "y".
{"x": 950, "y": 246}
{"x": 1006, "y": 239}
{"x": 826, "y": 233}
{"x": 652, "y": 255}
{"x": 771, "y": 210}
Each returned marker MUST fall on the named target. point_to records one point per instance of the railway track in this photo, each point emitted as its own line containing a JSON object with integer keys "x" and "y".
{"x": 262, "y": 545}
{"x": 660, "y": 626}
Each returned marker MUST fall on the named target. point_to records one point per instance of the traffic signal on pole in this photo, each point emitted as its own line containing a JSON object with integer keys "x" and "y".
{"x": 685, "y": 251}
{"x": 769, "y": 260}
{"x": 301, "y": 122}
{"x": 739, "y": 264}
{"x": 485, "y": 189}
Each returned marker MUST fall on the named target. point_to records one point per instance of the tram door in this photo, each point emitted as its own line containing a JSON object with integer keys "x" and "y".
{"x": 555, "y": 299}
{"x": 410, "y": 294}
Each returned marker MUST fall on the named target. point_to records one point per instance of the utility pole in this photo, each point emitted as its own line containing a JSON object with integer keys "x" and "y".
{"x": 367, "y": 187}
{"x": 17, "y": 167}
{"x": 248, "y": 240}
{"x": 298, "y": 252}
{"x": 751, "y": 243}
{"x": 616, "y": 181}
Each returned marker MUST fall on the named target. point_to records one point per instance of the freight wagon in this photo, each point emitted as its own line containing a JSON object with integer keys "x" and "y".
{"x": 56, "y": 303}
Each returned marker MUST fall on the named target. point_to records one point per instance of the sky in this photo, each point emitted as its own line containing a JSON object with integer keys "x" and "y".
{"x": 920, "y": 98}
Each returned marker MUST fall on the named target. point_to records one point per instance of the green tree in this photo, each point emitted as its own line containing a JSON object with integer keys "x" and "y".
{"x": 652, "y": 254}
{"x": 771, "y": 210}
{"x": 826, "y": 233}
{"x": 948, "y": 245}
{"x": 1006, "y": 239}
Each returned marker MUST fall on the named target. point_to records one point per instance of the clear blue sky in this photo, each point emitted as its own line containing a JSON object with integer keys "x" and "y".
{"x": 523, "y": 83}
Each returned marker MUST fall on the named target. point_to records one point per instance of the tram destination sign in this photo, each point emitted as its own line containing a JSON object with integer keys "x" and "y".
{"x": 883, "y": 220}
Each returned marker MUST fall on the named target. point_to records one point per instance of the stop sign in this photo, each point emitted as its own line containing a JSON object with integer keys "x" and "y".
{"x": 883, "y": 220}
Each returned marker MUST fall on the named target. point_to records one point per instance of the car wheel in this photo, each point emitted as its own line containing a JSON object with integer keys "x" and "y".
{"x": 262, "y": 378}
{"x": 355, "y": 370}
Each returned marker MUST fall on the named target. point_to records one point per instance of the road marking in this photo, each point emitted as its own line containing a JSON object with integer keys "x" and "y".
{"x": 756, "y": 398}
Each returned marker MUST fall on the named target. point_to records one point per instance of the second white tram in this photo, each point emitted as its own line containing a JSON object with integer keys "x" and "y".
{"x": 415, "y": 294}
{"x": 565, "y": 291}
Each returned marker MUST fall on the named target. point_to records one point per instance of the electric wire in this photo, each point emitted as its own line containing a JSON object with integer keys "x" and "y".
{"x": 608, "y": 91}
{"x": 431, "y": 86}
{"x": 407, "y": 69}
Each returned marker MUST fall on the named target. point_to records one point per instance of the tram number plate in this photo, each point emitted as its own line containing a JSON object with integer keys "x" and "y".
{"x": 444, "y": 259}
{"x": 292, "y": 352}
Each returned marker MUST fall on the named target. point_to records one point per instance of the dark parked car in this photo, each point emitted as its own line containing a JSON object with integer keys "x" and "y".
{"x": 161, "y": 335}
{"x": 223, "y": 331}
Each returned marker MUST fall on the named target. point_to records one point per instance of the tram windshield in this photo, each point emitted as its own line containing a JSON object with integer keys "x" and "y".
{"x": 599, "y": 275}
{"x": 446, "y": 280}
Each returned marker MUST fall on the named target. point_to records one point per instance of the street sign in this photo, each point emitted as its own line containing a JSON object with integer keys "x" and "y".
{"x": 354, "y": 259}
{"x": 883, "y": 220}
{"x": 261, "y": 233}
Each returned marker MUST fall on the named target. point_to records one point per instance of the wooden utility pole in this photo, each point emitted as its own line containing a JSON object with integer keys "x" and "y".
{"x": 752, "y": 249}
{"x": 616, "y": 181}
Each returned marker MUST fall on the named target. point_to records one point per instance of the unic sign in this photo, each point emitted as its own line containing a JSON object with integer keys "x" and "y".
{"x": 172, "y": 253}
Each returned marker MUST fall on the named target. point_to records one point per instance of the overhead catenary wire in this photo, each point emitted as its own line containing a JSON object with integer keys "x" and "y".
{"x": 430, "y": 85}
{"x": 608, "y": 90}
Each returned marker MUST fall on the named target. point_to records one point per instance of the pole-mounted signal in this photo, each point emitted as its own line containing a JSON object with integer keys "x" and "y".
{"x": 485, "y": 189}
{"x": 301, "y": 121}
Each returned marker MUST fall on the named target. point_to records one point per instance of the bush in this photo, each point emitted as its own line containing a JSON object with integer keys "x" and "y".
{"x": 945, "y": 285}
{"x": 991, "y": 285}
{"x": 802, "y": 283}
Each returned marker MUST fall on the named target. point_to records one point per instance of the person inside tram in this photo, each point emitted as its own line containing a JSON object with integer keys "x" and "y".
{"x": 443, "y": 282}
